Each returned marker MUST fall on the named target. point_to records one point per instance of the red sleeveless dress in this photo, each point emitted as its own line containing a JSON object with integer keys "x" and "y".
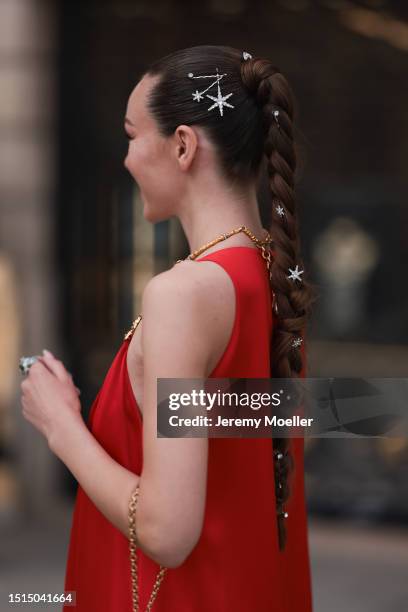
{"x": 236, "y": 565}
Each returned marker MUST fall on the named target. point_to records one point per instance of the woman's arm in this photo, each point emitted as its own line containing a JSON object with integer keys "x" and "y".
{"x": 51, "y": 404}
{"x": 187, "y": 320}
{"x": 107, "y": 483}
{"x": 173, "y": 481}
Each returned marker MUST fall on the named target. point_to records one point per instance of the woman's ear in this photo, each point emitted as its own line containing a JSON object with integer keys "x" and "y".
{"x": 186, "y": 143}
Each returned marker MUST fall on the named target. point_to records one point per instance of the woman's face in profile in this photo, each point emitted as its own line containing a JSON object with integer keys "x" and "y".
{"x": 149, "y": 158}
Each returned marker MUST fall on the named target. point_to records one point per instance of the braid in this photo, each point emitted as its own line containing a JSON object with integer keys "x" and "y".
{"x": 292, "y": 299}
{"x": 243, "y": 139}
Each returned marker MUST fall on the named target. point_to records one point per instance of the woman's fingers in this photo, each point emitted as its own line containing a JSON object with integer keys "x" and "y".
{"x": 54, "y": 365}
{"x": 57, "y": 368}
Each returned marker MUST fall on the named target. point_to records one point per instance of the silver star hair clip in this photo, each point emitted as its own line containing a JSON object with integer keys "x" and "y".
{"x": 295, "y": 274}
{"x": 280, "y": 210}
{"x": 220, "y": 100}
{"x": 246, "y": 55}
{"x": 297, "y": 342}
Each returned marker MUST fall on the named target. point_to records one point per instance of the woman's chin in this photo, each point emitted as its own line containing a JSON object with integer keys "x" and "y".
{"x": 148, "y": 214}
{"x": 154, "y": 216}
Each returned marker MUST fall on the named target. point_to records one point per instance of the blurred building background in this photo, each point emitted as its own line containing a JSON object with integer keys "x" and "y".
{"x": 76, "y": 253}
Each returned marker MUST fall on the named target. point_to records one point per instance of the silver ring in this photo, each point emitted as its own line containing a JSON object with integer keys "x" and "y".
{"x": 25, "y": 363}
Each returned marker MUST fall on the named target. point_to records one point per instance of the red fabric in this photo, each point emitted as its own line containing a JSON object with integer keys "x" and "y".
{"x": 236, "y": 565}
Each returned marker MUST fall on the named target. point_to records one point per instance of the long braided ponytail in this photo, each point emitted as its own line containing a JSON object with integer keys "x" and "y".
{"x": 292, "y": 297}
{"x": 243, "y": 138}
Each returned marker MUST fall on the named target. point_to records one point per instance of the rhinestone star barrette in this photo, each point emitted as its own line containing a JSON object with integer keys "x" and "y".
{"x": 219, "y": 101}
{"x": 297, "y": 342}
{"x": 280, "y": 210}
{"x": 295, "y": 274}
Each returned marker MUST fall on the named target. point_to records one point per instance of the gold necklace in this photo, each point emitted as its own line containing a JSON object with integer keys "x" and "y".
{"x": 261, "y": 244}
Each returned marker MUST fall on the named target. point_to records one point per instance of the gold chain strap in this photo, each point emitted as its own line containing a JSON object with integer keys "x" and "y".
{"x": 133, "y": 558}
{"x": 132, "y": 329}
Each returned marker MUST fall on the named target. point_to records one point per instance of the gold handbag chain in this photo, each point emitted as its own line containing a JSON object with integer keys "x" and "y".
{"x": 133, "y": 558}
{"x": 262, "y": 244}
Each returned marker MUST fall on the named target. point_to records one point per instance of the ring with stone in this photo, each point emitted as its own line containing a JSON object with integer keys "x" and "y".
{"x": 25, "y": 363}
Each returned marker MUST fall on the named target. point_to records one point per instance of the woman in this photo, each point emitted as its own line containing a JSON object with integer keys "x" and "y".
{"x": 226, "y": 516}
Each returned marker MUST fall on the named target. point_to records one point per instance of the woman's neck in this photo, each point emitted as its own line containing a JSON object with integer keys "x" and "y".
{"x": 206, "y": 218}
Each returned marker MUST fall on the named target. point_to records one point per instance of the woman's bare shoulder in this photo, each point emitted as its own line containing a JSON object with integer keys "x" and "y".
{"x": 205, "y": 282}
{"x": 198, "y": 297}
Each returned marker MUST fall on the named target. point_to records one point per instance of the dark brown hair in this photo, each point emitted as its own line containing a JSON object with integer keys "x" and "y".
{"x": 243, "y": 139}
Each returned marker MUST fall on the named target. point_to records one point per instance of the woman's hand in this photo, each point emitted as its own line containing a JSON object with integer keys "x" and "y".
{"x": 49, "y": 396}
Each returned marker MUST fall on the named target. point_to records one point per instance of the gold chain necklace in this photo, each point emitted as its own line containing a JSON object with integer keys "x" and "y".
{"x": 266, "y": 254}
{"x": 261, "y": 244}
